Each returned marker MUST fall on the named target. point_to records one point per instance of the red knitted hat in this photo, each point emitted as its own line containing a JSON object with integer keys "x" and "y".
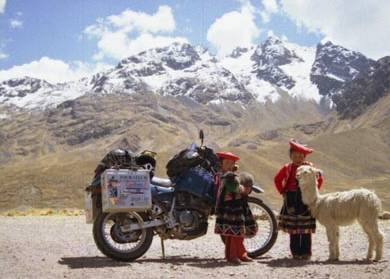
{"x": 228, "y": 156}
{"x": 294, "y": 145}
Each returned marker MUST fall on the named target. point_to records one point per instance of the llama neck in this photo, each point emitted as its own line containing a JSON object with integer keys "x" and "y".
{"x": 310, "y": 196}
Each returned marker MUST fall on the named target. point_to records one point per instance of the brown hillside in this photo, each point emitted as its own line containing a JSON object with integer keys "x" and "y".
{"x": 48, "y": 159}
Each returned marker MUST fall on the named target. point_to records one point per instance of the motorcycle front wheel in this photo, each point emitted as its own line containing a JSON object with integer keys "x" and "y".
{"x": 267, "y": 233}
{"x": 119, "y": 245}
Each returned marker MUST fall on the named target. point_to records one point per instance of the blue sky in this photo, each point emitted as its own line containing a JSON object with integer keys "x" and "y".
{"x": 56, "y": 29}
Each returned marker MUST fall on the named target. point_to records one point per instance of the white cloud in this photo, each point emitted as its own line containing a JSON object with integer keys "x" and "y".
{"x": 52, "y": 70}
{"x": 359, "y": 25}
{"x": 2, "y": 6}
{"x": 236, "y": 28}
{"x": 161, "y": 21}
{"x": 130, "y": 32}
{"x": 269, "y": 7}
{"x": 16, "y": 23}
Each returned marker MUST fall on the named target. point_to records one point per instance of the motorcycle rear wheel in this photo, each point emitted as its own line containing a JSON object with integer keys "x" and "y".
{"x": 123, "y": 246}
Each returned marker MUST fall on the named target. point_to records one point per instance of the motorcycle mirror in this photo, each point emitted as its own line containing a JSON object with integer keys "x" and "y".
{"x": 201, "y": 137}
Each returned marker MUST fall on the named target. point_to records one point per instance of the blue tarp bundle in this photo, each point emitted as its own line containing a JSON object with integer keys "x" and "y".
{"x": 198, "y": 182}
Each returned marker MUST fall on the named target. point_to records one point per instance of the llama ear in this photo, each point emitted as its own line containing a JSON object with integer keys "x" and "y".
{"x": 317, "y": 171}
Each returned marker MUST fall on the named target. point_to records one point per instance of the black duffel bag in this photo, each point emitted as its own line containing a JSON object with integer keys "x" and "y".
{"x": 190, "y": 158}
{"x": 126, "y": 159}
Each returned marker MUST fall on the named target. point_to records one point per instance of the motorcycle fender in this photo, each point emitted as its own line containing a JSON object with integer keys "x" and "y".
{"x": 91, "y": 207}
{"x": 257, "y": 189}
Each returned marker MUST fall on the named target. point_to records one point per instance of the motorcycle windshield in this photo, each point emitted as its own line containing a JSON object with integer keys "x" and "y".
{"x": 193, "y": 147}
{"x": 192, "y": 152}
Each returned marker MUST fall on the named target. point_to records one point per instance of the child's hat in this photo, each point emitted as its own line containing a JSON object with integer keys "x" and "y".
{"x": 294, "y": 145}
{"x": 228, "y": 156}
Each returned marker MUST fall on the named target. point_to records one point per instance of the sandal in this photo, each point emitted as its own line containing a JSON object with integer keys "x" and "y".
{"x": 246, "y": 259}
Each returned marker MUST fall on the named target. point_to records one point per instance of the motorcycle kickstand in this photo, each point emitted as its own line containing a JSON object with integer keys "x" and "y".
{"x": 162, "y": 248}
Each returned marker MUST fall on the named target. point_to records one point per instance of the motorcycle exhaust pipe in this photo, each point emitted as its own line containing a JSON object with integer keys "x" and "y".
{"x": 144, "y": 225}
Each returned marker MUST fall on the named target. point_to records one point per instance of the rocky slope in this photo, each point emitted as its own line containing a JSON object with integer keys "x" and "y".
{"x": 335, "y": 65}
{"x": 364, "y": 90}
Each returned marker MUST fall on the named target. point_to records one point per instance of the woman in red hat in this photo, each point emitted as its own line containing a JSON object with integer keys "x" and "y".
{"x": 234, "y": 219}
{"x": 295, "y": 217}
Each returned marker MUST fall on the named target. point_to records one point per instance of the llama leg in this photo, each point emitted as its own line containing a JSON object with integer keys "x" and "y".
{"x": 371, "y": 243}
{"x": 337, "y": 240}
{"x": 378, "y": 238}
{"x": 331, "y": 233}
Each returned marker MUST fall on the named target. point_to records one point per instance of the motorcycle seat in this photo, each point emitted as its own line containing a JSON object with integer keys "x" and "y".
{"x": 163, "y": 182}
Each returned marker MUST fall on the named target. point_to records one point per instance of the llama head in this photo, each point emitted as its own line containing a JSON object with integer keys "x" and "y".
{"x": 307, "y": 173}
{"x": 307, "y": 177}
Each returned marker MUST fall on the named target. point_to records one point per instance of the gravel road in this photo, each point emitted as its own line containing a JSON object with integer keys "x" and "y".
{"x": 63, "y": 247}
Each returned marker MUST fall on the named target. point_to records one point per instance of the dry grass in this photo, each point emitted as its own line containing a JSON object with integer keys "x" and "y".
{"x": 58, "y": 180}
{"x": 352, "y": 155}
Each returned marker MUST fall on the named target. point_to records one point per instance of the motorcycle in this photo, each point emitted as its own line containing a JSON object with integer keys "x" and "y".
{"x": 181, "y": 206}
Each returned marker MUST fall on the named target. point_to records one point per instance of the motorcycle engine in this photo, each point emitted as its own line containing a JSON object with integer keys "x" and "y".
{"x": 188, "y": 219}
{"x": 191, "y": 214}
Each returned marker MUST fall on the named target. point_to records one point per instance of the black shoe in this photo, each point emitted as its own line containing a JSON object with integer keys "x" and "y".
{"x": 306, "y": 257}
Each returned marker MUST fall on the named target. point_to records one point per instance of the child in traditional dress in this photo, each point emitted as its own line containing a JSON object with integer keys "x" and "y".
{"x": 295, "y": 217}
{"x": 234, "y": 219}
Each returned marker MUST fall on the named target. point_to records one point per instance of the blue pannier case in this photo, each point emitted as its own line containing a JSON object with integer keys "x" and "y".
{"x": 198, "y": 182}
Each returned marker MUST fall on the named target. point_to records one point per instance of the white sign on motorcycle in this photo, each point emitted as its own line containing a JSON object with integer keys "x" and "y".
{"x": 126, "y": 190}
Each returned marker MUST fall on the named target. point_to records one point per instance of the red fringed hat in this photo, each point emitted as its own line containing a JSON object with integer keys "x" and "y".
{"x": 228, "y": 156}
{"x": 294, "y": 145}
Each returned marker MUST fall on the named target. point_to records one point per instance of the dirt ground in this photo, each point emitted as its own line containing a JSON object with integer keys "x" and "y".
{"x": 63, "y": 247}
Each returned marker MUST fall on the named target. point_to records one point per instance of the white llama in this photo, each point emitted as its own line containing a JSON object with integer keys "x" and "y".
{"x": 341, "y": 209}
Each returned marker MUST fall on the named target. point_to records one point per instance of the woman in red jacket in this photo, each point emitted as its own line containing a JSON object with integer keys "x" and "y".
{"x": 295, "y": 217}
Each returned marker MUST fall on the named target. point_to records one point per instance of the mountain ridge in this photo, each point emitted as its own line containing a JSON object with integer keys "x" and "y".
{"x": 258, "y": 73}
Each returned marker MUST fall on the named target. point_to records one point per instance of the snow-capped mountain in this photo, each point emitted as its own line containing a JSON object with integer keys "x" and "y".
{"x": 334, "y": 65}
{"x": 257, "y": 73}
{"x": 267, "y": 59}
{"x": 21, "y": 89}
{"x": 273, "y": 66}
{"x": 30, "y": 93}
{"x": 177, "y": 70}
{"x": 364, "y": 90}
